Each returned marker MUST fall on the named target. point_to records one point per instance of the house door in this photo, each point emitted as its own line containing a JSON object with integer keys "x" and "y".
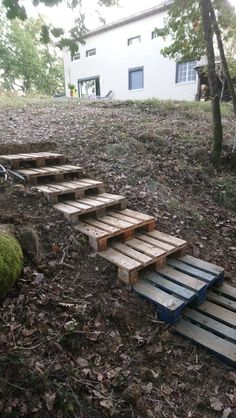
{"x": 89, "y": 88}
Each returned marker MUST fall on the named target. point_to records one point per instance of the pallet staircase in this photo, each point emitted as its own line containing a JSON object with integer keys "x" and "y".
{"x": 186, "y": 291}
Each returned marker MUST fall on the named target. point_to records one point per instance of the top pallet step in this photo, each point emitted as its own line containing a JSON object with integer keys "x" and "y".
{"x": 38, "y": 159}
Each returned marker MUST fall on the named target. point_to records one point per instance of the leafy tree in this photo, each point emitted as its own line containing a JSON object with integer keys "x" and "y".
{"x": 24, "y": 61}
{"x": 190, "y": 27}
{"x": 14, "y": 9}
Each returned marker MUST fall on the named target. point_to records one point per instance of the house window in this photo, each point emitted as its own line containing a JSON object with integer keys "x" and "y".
{"x": 75, "y": 56}
{"x": 136, "y": 78}
{"x": 134, "y": 40}
{"x": 185, "y": 72}
{"x": 91, "y": 52}
{"x": 154, "y": 34}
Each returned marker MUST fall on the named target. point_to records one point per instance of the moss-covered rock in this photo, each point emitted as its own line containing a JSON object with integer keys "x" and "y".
{"x": 11, "y": 261}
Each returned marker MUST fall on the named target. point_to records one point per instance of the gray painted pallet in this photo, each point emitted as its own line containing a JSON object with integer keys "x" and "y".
{"x": 213, "y": 324}
{"x": 181, "y": 282}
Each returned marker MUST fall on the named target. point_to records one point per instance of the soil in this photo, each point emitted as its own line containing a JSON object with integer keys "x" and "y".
{"x": 74, "y": 342}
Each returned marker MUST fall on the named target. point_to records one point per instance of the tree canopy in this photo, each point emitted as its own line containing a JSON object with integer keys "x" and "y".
{"x": 14, "y": 9}
{"x": 24, "y": 62}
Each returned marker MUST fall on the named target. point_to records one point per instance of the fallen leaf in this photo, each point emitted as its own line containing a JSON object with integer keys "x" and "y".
{"x": 216, "y": 404}
{"x": 49, "y": 399}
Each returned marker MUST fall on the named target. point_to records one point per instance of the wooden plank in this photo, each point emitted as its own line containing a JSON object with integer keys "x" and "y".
{"x": 210, "y": 324}
{"x": 157, "y": 295}
{"x": 104, "y": 227}
{"x": 219, "y": 313}
{"x": 147, "y": 249}
{"x": 98, "y": 198}
{"x": 182, "y": 279}
{"x": 89, "y": 230}
{"x": 168, "y": 239}
{"x": 125, "y": 218}
{"x": 201, "y": 264}
{"x": 77, "y": 204}
{"x": 130, "y": 252}
{"x": 91, "y": 202}
{"x": 166, "y": 247}
{"x": 221, "y": 347}
{"x": 227, "y": 290}
{"x": 66, "y": 208}
{"x": 120, "y": 260}
{"x": 192, "y": 271}
{"x": 115, "y": 222}
{"x": 136, "y": 215}
{"x": 168, "y": 285}
{"x": 222, "y": 301}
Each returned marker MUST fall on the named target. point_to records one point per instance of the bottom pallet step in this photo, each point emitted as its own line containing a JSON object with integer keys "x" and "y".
{"x": 213, "y": 324}
{"x": 224, "y": 349}
{"x": 186, "y": 286}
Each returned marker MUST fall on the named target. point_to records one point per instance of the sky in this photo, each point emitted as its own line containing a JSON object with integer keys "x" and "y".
{"x": 62, "y": 16}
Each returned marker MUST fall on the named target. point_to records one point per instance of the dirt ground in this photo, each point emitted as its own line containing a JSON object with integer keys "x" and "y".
{"x": 74, "y": 342}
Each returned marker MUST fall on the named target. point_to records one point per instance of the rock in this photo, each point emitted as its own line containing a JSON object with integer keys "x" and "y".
{"x": 11, "y": 260}
{"x": 132, "y": 393}
{"x": 30, "y": 243}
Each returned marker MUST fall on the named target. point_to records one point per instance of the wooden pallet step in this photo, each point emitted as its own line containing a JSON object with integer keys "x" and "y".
{"x": 215, "y": 311}
{"x": 168, "y": 239}
{"x": 169, "y": 307}
{"x": 197, "y": 288}
{"x": 123, "y": 223}
{"x": 222, "y": 300}
{"x": 224, "y": 349}
{"x": 152, "y": 254}
{"x": 57, "y": 173}
{"x": 73, "y": 209}
{"x": 169, "y": 286}
{"x": 37, "y": 159}
{"x": 226, "y": 290}
{"x": 76, "y": 188}
{"x": 210, "y": 268}
{"x": 209, "y": 278}
{"x": 210, "y": 324}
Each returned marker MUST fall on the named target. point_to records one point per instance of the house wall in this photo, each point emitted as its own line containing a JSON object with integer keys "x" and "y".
{"x": 114, "y": 58}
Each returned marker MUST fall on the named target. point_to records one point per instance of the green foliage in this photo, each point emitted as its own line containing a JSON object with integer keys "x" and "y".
{"x": 11, "y": 261}
{"x": 25, "y": 62}
{"x": 183, "y": 27}
{"x": 76, "y": 34}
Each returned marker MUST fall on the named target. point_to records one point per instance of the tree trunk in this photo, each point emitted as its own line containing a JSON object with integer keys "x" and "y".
{"x": 213, "y": 83}
{"x": 226, "y": 70}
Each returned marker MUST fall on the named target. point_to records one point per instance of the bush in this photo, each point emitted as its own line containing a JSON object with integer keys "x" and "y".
{"x": 11, "y": 261}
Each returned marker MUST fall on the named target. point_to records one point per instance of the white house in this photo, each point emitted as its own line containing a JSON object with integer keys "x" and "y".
{"x": 124, "y": 58}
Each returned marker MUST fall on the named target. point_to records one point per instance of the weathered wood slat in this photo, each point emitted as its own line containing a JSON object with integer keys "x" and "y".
{"x": 130, "y": 252}
{"x": 201, "y": 264}
{"x": 168, "y": 239}
{"x": 219, "y": 346}
{"x": 115, "y": 222}
{"x": 137, "y": 215}
{"x": 120, "y": 260}
{"x": 168, "y": 285}
{"x": 168, "y": 248}
{"x": 90, "y": 231}
{"x": 216, "y": 311}
{"x": 192, "y": 271}
{"x": 125, "y": 218}
{"x": 147, "y": 249}
{"x": 168, "y": 306}
{"x": 102, "y": 226}
{"x": 210, "y": 324}
{"x": 227, "y": 290}
{"x": 222, "y": 301}
{"x": 183, "y": 279}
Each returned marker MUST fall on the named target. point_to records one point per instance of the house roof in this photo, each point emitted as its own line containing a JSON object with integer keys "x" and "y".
{"x": 138, "y": 16}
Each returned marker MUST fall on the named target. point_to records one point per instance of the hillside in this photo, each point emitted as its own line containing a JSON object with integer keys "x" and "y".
{"x": 73, "y": 339}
